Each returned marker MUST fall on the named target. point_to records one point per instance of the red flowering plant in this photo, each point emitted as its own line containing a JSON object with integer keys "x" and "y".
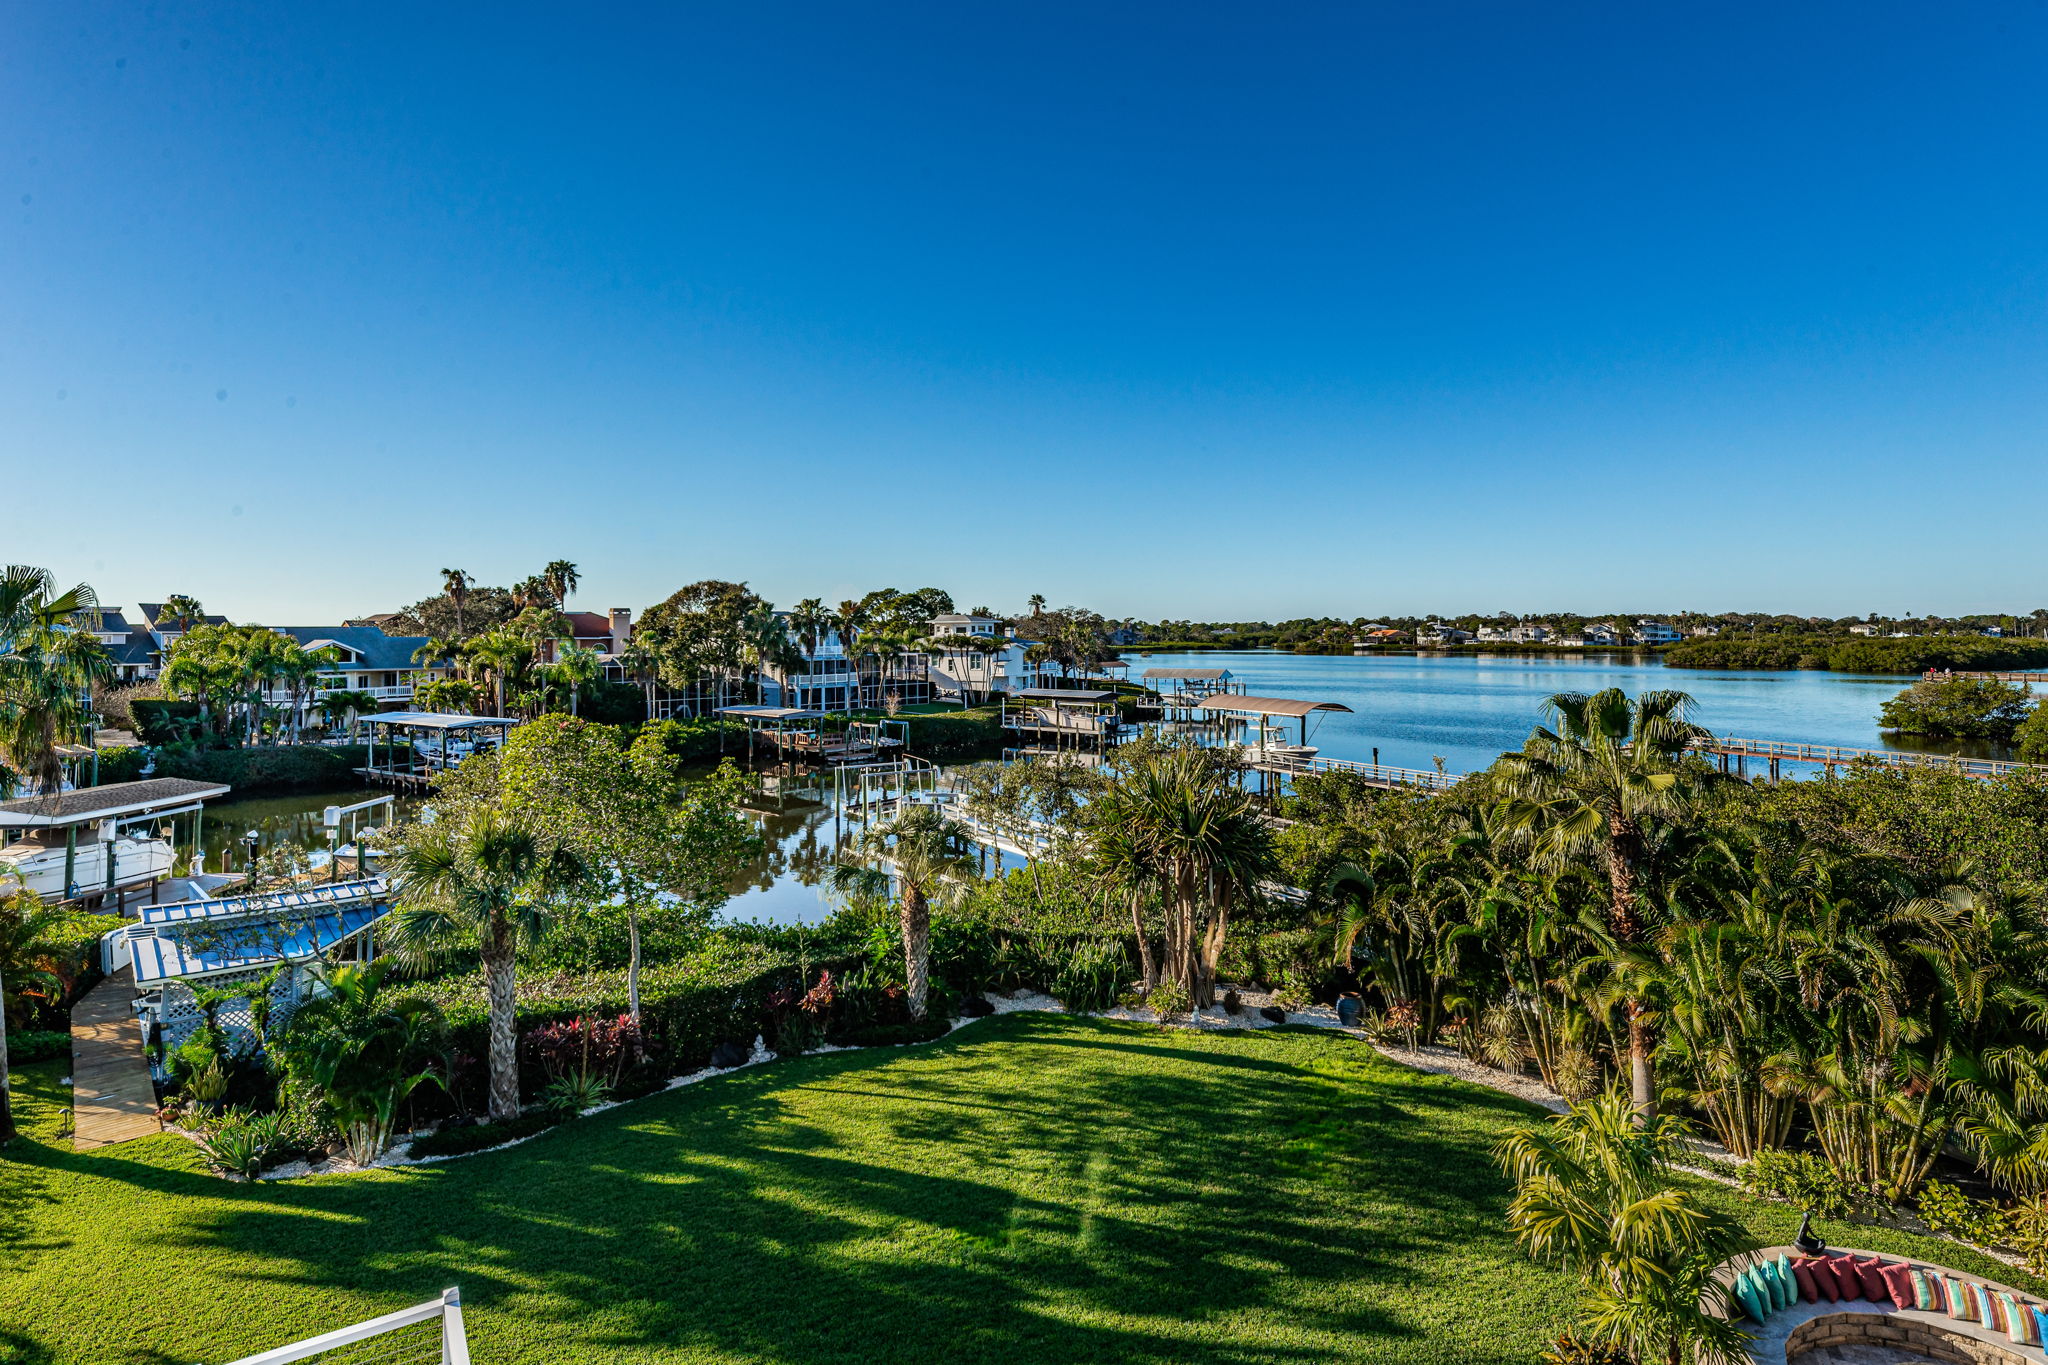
{"x": 585, "y": 1047}
{"x": 797, "y": 1018}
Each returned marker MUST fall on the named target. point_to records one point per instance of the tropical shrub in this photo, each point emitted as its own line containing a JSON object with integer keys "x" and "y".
{"x": 1089, "y": 976}
{"x": 36, "y": 1045}
{"x": 267, "y": 768}
{"x": 1591, "y": 1197}
{"x": 1168, "y": 999}
{"x": 239, "y": 1142}
{"x": 576, "y": 1091}
{"x": 1806, "y": 1182}
{"x": 366, "y": 1051}
{"x": 584, "y": 1047}
{"x": 123, "y": 764}
{"x": 1947, "y": 1210}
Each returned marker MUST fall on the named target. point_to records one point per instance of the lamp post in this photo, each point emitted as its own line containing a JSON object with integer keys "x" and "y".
{"x": 249, "y": 841}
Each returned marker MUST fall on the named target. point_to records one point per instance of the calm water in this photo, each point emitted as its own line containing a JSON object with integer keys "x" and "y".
{"x": 1413, "y": 709}
{"x": 1467, "y": 710}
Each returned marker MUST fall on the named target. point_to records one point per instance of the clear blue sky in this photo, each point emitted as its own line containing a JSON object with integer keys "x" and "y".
{"x": 1189, "y": 310}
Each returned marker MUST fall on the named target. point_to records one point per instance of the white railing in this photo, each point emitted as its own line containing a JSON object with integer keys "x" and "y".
{"x": 1297, "y": 763}
{"x": 447, "y": 1310}
{"x": 1831, "y": 754}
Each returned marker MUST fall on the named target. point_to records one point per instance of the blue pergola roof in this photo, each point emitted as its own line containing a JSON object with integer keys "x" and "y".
{"x": 266, "y": 902}
{"x": 247, "y": 946}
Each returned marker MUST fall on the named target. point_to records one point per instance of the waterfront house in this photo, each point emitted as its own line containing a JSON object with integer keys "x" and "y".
{"x": 1532, "y": 634}
{"x": 1599, "y": 635}
{"x": 1657, "y": 633}
{"x": 1438, "y": 633}
{"x": 366, "y": 660}
{"x": 988, "y": 659}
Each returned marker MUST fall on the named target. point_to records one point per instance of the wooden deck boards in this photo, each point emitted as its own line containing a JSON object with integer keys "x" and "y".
{"x": 112, "y": 1096}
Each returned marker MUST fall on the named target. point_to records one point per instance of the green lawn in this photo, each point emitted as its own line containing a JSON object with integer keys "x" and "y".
{"x": 1038, "y": 1188}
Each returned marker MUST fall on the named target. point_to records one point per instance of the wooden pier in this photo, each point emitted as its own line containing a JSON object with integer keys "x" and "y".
{"x": 113, "y": 1098}
{"x": 1735, "y": 754}
{"x": 2029, "y": 679}
{"x": 1293, "y": 763}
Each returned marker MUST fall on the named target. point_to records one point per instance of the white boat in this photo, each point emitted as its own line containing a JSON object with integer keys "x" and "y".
{"x": 97, "y": 842}
{"x": 39, "y": 863}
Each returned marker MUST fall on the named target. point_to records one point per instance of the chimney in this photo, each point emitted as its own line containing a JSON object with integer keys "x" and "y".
{"x": 622, "y": 626}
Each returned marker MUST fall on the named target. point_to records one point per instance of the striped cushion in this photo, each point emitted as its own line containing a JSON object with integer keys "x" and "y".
{"x": 1987, "y": 1307}
{"x": 1961, "y": 1302}
{"x": 1923, "y": 1293}
{"x": 2019, "y": 1324}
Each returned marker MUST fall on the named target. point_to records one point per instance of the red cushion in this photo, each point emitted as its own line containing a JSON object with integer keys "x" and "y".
{"x": 1874, "y": 1287}
{"x": 1850, "y": 1283}
{"x": 1898, "y": 1283}
{"x": 1808, "y": 1282}
{"x": 1822, "y": 1268}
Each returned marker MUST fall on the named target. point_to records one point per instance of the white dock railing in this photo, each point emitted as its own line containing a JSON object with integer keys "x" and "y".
{"x": 451, "y": 1348}
{"x": 1284, "y": 760}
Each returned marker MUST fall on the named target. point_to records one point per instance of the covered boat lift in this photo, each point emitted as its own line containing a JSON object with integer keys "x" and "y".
{"x": 1273, "y": 758}
{"x": 1069, "y": 717}
{"x": 433, "y": 741}
{"x": 82, "y": 847}
{"x": 797, "y": 732}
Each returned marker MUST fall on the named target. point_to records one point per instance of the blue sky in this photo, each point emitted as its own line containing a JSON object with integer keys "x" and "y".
{"x": 1189, "y": 310}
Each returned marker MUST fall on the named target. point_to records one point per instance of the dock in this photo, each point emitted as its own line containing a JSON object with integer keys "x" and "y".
{"x": 1735, "y": 754}
{"x": 1292, "y": 762}
{"x": 113, "y": 1098}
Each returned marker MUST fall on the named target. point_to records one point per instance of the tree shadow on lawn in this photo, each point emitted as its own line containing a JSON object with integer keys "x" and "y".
{"x": 1080, "y": 1192}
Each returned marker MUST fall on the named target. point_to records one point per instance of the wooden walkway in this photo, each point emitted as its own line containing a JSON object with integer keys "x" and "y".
{"x": 1829, "y": 756}
{"x": 112, "y": 1096}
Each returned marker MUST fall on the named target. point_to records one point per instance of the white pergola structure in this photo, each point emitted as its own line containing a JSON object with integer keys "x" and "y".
{"x": 441, "y": 1317}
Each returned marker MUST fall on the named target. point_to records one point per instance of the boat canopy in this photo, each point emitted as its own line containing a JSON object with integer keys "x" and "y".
{"x": 94, "y": 804}
{"x": 1267, "y": 706}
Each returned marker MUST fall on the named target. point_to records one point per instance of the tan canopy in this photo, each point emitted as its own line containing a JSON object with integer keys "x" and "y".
{"x": 1267, "y": 706}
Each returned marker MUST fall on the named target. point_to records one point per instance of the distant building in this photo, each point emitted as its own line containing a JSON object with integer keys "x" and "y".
{"x": 1597, "y": 634}
{"x": 1657, "y": 633}
{"x": 1534, "y": 633}
{"x": 1704, "y": 632}
{"x": 1865, "y": 628}
{"x": 367, "y": 660}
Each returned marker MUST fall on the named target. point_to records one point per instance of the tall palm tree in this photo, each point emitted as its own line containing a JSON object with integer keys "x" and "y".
{"x": 180, "y": 612}
{"x": 931, "y": 860}
{"x": 1201, "y": 840}
{"x": 562, "y": 579}
{"x": 49, "y": 662}
{"x": 576, "y": 668}
{"x": 1589, "y": 784}
{"x": 457, "y": 584}
{"x": 486, "y": 881}
{"x": 503, "y": 656}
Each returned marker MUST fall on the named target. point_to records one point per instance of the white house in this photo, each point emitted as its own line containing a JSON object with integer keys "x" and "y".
{"x": 1657, "y": 633}
{"x": 990, "y": 659}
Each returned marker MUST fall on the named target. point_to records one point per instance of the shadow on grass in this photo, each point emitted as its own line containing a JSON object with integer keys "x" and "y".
{"x": 1036, "y": 1189}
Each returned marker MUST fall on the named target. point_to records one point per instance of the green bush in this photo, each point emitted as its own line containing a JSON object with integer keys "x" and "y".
{"x": 124, "y": 764}
{"x": 1957, "y": 708}
{"x": 240, "y": 1142}
{"x": 694, "y": 741}
{"x": 1089, "y": 976}
{"x": 478, "y": 1136}
{"x": 158, "y": 720}
{"x": 1806, "y": 1182}
{"x": 36, "y": 1045}
{"x": 1949, "y": 1211}
{"x": 956, "y": 736}
{"x": 285, "y": 767}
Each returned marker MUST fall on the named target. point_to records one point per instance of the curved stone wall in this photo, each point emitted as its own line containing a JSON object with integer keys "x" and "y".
{"x": 1898, "y": 1331}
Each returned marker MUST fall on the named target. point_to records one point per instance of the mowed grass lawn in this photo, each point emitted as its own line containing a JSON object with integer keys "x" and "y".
{"x": 1036, "y": 1188}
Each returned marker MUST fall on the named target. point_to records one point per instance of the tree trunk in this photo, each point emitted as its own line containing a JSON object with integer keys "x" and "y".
{"x": 917, "y": 933}
{"x": 1626, "y": 926}
{"x": 1145, "y": 963}
{"x": 633, "y": 963}
{"x": 502, "y": 992}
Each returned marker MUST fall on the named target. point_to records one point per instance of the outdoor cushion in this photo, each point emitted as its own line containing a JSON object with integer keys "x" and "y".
{"x": 2019, "y": 1324}
{"x": 1844, "y": 1267}
{"x": 1746, "y": 1295}
{"x": 1961, "y": 1302}
{"x": 1898, "y": 1279}
{"x": 1873, "y": 1282}
{"x": 1764, "y": 1274}
{"x": 1987, "y": 1307}
{"x": 1822, "y": 1268}
{"x": 1802, "y": 1273}
{"x": 1788, "y": 1284}
{"x": 1923, "y": 1293}
{"x": 2040, "y": 1317}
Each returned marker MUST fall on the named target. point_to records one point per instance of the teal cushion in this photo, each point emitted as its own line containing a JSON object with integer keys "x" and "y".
{"x": 1788, "y": 1286}
{"x": 1747, "y": 1295}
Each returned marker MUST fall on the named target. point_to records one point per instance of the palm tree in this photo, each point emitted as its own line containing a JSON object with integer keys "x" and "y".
{"x": 562, "y": 579}
{"x": 484, "y": 881}
{"x": 1037, "y": 604}
{"x": 1201, "y": 840}
{"x": 931, "y": 860}
{"x": 576, "y": 668}
{"x": 1590, "y": 1196}
{"x": 501, "y": 654}
{"x": 49, "y": 662}
{"x": 1592, "y": 785}
{"x": 346, "y": 708}
{"x": 456, "y": 584}
{"x": 180, "y": 613}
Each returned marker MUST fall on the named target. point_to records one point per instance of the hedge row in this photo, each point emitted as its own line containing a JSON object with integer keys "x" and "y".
{"x": 1851, "y": 654}
{"x": 36, "y": 1045}
{"x": 283, "y": 767}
